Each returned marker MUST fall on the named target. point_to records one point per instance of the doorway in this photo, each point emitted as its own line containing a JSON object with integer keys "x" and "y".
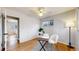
{"x": 12, "y": 32}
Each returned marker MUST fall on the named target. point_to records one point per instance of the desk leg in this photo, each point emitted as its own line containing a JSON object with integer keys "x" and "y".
{"x": 43, "y": 45}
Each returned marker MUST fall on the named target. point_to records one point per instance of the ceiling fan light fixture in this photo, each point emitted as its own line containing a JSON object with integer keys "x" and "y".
{"x": 40, "y": 14}
{"x": 40, "y": 11}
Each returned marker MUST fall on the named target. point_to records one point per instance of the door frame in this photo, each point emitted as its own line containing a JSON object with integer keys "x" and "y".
{"x": 16, "y": 18}
{"x": 3, "y": 30}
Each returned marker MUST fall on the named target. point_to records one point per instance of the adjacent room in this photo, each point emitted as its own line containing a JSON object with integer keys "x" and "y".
{"x": 39, "y": 28}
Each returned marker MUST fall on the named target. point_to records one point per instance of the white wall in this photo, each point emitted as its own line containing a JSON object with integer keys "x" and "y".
{"x": 77, "y": 41}
{"x": 77, "y": 32}
{"x": 59, "y": 26}
{"x": 28, "y": 25}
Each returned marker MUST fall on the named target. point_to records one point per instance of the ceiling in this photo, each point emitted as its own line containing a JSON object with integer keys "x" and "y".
{"x": 49, "y": 10}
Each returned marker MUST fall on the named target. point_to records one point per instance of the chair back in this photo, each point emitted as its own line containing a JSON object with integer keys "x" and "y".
{"x": 53, "y": 39}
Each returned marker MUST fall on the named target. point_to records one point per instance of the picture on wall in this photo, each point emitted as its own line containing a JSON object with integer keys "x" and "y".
{"x": 47, "y": 23}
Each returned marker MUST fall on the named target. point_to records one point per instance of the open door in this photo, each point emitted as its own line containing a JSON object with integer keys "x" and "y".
{"x": 12, "y": 29}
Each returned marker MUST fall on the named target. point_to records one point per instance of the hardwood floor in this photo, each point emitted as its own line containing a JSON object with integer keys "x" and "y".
{"x": 27, "y": 46}
{"x": 63, "y": 47}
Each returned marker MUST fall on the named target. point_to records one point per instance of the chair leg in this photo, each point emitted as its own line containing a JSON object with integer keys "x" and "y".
{"x": 51, "y": 47}
{"x": 54, "y": 47}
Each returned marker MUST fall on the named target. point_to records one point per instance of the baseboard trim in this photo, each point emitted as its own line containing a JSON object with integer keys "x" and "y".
{"x": 27, "y": 41}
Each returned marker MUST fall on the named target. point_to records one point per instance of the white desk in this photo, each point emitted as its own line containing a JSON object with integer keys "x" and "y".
{"x": 44, "y": 40}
